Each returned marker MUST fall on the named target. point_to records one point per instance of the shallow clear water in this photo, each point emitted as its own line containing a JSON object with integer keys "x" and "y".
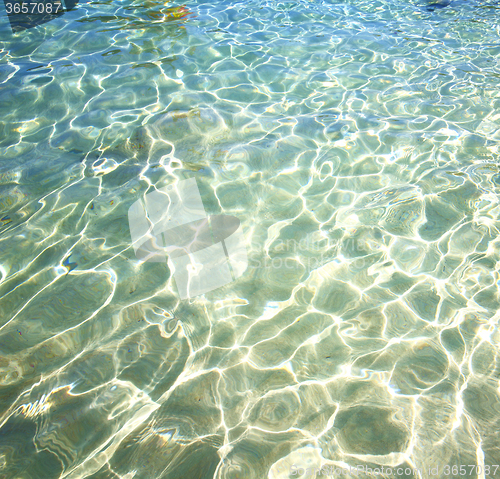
{"x": 358, "y": 144}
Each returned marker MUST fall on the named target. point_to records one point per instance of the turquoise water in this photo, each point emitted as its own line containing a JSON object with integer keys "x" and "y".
{"x": 358, "y": 144}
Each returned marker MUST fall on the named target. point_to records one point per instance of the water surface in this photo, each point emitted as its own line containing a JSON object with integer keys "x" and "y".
{"x": 358, "y": 144}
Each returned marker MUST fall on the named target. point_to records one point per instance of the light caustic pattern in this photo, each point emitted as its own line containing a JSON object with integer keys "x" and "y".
{"x": 356, "y": 142}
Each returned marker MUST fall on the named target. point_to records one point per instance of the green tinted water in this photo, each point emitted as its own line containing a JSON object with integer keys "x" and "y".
{"x": 358, "y": 144}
